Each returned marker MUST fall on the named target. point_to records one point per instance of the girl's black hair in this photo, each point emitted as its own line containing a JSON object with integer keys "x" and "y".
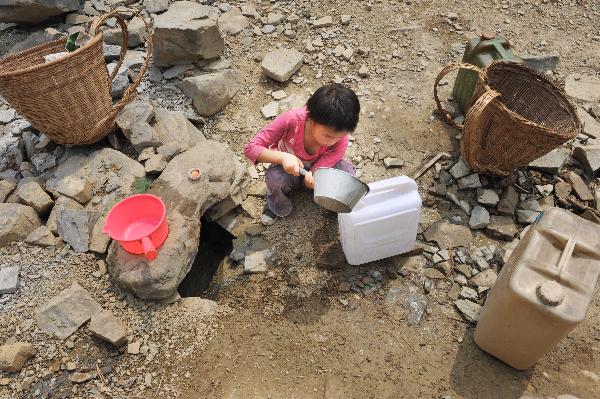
{"x": 335, "y": 106}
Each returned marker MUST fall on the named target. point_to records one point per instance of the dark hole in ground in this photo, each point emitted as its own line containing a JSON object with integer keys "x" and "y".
{"x": 204, "y": 278}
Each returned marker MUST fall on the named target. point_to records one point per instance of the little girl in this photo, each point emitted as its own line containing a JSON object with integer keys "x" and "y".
{"x": 312, "y": 137}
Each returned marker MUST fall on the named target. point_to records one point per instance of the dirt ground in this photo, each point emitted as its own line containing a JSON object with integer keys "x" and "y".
{"x": 290, "y": 333}
{"x": 300, "y": 341}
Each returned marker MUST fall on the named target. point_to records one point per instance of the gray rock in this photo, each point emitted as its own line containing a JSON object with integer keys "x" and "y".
{"x": 411, "y": 298}
{"x": 43, "y": 161}
{"x": 170, "y": 150}
{"x": 249, "y": 11}
{"x": 530, "y": 205}
{"x": 470, "y": 310}
{"x": 142, "y": 135}
{"x": 158, "y": 279}
{"x": 275, "y": 18}
{"x": 323, "y": 22}
{"x": 282, "y": 63}
{"x": 486, "y": 278}
{"x": 14, "y": 356}
{"x": 175, "y": 127}
{"x": 257, "y": 262}
{"x": 468, "y": 294}
{"x": 460, "y": 169}
{"x": 502, "y": 228}
{"x": 480, "y": 218}
{"x": 133, "y": 113}
{"x": 582, "y": 190}
{"x": 177, "y": 70}
{"x": 222, "y": 176}
{"x": 233, "y": 22}
{"x": 469, "y": 182}
{"x": 465, "y": 270}
{"x": 61, "y": 204}
{"x": 581, "y": 87}
{"x": 111, "y": 52}
{"x": 508, "y": 202}
{"x": 9, "y": 279}
{"x": 42, "y": 237}
{"x": 219, "y": 64}
{"x": 6, "y": 189}
{"x": 121, "y": 81}
{"x": 462, "y": 203}
{"x": 268, "y": 29}
{"x": 487, "y": 197}
{"x": 35, "y": 11}
{"x": 391, "y": 163}
{"x": 156, "y": 164}
{"x": 551, "y": 162}
{"x": 98, "y": 240}
{"x": 63, "y": 314}
{"x": 74, "y": 187}
{"x": 211, "y": 92}
{"x": 590, "y": 125}
{"x": 106, "y": 326}
{"x": 74, "y": 228}
{"x": 136, "y": 30}
{"x": 527, "y": 216}
{"x": 7, "y": 116}
{"x": 33, "y": 195}
{"x": 11, "y": 152}
{"x": 589, "y": 156}
{"x": 562, "y": 189}
{"x": 156, "y": 6}
{"x": 542, "y": 63}
{"x": 271, "y": 110}
{"x": 95, "y": 166}
{"x": 18, "y": 221}
{"x": 448, "y": 235}
{"x": 185, "y": 34}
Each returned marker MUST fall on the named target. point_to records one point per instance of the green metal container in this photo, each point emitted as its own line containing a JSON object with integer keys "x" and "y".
{"x": 481, "y": 52}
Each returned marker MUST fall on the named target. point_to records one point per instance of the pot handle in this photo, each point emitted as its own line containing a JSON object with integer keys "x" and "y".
{"x": 149, "y": 249}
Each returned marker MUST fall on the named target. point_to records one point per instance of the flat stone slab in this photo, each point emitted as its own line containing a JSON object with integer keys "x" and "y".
{"x": 448, "y": 235}
{"x": 582, "y": 87}
{"x": 62, "y": 315}
{"x": 282, "y": 63}
{"x": 551, "y": 162}
{"x": 9, "y": 279}
{"x": 107, "y": 327}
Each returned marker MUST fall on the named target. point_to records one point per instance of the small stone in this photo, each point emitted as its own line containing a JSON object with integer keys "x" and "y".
{"x": 502, "y": 228}
{"x": 469, "y": 182}
{"x": 448, "y": 235}
{"x": 460, "y": 169}
{"x": 486, "y": 278}
{"x": 551, "y": 162}
{"x": 469, "y": 310}
{"x": 542, "y": 63}
{"x": 591, "y": 127}
{"x": 271, "y": 110}
{"x": 487, "y": 197}
{"x": 508, "y": 202}
{"x": 6, "y": 189}
{"x": 433, "y": 274}
{"x": 257, "y": 262}
{"x": 563, "y": 190}
{"x": 468, "y": 293}
{"x": 74, "y": 187}
{"x": 460, "y": 279}
{"x": 13, "y": 356}
{"x": 71, "y": 366}
{"x": 106, "y": 326}
{"x": 33, "y": 195}
{"x": 74, "y": 229}
{"x": 282, "y": 63}
{"x": 7, "y": 116}
{"x": 155, "y": 165}
{"x": 80, "y": 378}
{"x": 582, "y": 190}
{"x": 589, "y": 156}
{"x": 480, "y": 218}
{"x": 393, "y": 163}
{"x": 9, "y": 279}
{"x": 465, "y": 270}
{"x": 279, "y": 94}
{"x": 363, "y": 71}
{"x": 17, "y": 222}
{"x": 134, "y": 348}
{"x": 42, "y": 236}
{"x": 323, "y": 22}
{"x": 345, "y": 19}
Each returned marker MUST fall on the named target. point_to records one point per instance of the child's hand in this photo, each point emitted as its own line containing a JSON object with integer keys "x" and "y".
{"x": 291, "y": 164}
{"x": 309, "y": 181}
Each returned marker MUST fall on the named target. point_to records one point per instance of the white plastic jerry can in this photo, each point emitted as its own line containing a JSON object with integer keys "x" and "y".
{"x": 384, "y": 223}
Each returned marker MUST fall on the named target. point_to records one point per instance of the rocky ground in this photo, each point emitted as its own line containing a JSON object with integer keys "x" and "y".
{"x": 283, "y": 316}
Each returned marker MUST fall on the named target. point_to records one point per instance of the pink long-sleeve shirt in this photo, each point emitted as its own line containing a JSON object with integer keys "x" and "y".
{"x": 286, "y": 133}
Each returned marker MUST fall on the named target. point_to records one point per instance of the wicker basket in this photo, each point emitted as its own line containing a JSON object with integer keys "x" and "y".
{"x": 517, "y": 116}
{"x": 69, "y": 99}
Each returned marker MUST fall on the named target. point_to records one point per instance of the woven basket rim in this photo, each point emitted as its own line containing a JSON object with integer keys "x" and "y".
{"x": 521, "y": 119}
{"x": 92, "y": 42}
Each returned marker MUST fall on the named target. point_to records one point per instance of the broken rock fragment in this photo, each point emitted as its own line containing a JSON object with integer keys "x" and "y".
{"x": 33, "y": 195}
{"x": 448, "y": 235}
{"x": 106, "y": 326}
{"x": 211, "y": 92}
{"x": 470, "y": 310}
{"x": 65, "y": 313}
{"x": 9, "y": 279}
{"x": 282, "y": 63}
{"x": 14, "y": 356}
{"x": 18, "y": 221}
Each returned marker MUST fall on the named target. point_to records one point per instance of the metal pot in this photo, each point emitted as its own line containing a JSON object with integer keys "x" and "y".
{"x": 337, "y": 190}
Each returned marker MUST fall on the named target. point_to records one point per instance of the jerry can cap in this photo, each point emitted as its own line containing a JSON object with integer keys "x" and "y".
{"x": 550, "y": 293}
{"x": 488, "y": 35}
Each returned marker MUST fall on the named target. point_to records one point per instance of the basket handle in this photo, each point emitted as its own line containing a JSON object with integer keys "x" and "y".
{"x": 130, "y": 92}
{"x": 474, "y": 113}
{"x": 447, "y": 69}
{"x": 95, "y": 30}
